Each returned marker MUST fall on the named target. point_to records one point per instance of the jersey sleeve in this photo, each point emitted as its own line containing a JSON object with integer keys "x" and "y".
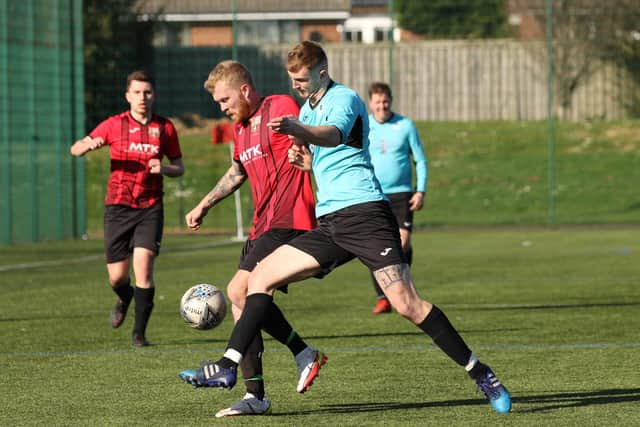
{"x": 343, "y": 114}
{"x": 417, "y": 151}
{"x": 103, "y": 130}
{"x": 173, "y": 144}
{"x": 284, "y": 106}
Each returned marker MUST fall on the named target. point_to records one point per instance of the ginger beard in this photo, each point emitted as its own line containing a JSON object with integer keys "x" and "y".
{"x": 233, "y": 102}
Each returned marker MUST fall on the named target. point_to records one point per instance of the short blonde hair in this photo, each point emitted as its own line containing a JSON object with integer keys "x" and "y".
{"x": 306, "y": 54}
{"x": 231, "y": 72}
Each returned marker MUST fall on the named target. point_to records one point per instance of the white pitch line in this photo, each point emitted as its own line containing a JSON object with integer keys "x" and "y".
{"x": 507, "y": 347}
{"x": 54, "y": 263}
{"x": 66, "y": 261}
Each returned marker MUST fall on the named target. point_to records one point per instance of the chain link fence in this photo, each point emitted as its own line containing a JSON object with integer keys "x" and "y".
{"x": 47, "y": 83}
{"x": 41, "y": 110}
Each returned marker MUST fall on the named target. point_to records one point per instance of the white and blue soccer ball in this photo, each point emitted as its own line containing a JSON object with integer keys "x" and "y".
{"x": 203, "y": 306}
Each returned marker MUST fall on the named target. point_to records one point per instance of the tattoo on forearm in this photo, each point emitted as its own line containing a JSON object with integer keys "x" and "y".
{"x": 227, "y": 185}
{"x": 216, "y": 194}
{"x": 389, "y": 276}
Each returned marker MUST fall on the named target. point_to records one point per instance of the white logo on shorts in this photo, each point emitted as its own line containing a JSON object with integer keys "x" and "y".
{"x": 385, "y": 252}
{"x": 407, "y": 224}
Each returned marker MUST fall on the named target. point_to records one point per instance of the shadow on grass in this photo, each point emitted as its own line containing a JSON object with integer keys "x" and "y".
{"x": 552, "y": 402}
{"x": 417, "y": 333}
{"x": 548, "y": 306}
{"x": 351, "y": 408}
{"x": 632, "y": 207}
{"x": 541, "y": 403}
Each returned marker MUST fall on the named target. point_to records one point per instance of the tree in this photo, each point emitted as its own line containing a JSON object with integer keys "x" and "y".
{"x": 623, "y": 46}
{"x": 587, "y": 35}
{"x": 452, "y": 18}
{"x": 115, "y": 44}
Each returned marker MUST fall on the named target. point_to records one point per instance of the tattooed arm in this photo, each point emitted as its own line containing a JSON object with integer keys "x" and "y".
{"x": 227, "y": 184}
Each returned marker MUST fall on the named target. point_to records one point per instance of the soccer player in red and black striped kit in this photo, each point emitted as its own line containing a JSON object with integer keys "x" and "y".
{"x": 138, "y": 140}
{"x": 283, "y": 209}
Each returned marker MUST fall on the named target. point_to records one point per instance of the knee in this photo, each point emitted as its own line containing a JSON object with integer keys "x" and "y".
{"x": 116, "y": 280}
{"x": 237, "y": 294}
{"x": 414, "y": 310}
{"x": 258, "y": 282}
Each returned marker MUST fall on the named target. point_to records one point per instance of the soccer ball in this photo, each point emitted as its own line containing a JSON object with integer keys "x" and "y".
{"x": 203, "y": 306}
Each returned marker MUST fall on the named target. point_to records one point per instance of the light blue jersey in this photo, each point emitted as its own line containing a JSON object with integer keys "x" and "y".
{"x": 391, "y": 144}
{"x": 344, "y": 174}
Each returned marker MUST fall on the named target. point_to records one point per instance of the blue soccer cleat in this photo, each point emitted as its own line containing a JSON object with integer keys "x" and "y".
{"x": 493, "y": 390}
{"x": 210, "y": 374}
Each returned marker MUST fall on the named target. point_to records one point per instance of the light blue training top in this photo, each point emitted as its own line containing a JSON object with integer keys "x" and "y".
{"x": 391, "y": 145}
{"x": 344, "y": 174}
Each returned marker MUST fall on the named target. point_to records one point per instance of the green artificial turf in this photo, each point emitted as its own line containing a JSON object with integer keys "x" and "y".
{"x": 554, "y": 312}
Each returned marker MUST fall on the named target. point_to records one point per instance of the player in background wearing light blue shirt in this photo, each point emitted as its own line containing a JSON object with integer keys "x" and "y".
{"x": 393, "y": 142}
{"x": 351, "y": 224}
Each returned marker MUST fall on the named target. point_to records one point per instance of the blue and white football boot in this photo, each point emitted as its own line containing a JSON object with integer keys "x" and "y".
{"x": 210, "y": 374}
{"x": 493, "y": 390}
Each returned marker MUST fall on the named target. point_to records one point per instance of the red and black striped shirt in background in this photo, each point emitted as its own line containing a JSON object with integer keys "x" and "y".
{"x": 131, "y": 146}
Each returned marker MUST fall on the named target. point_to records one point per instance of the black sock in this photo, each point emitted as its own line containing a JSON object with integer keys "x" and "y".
{"x": 249, "y": 324}
{"x": 144, "y": 305}
{"x": 438, "y": 327}
{"x": 376, "y": 287}
{"x": 124, "y": 291}
{"x": 251, "y": 365}
{"x": 276, "y": 325}
{"x": 479, "y": 370}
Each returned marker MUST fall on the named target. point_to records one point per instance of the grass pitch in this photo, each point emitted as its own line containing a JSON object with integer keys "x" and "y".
{"x": 554, "y": 312}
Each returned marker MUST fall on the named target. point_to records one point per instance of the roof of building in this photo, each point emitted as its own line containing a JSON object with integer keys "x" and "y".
{"x": 164, "y": 7}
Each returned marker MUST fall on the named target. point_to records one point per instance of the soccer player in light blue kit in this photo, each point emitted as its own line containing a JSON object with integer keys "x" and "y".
{"x": 354, "y": 221}
{"x": 393, "y": 143}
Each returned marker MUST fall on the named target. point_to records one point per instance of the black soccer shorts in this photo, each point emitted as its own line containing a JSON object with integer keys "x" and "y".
{"x": 254, "y": 251}
{"x": 367, "y": 231}
{"x": 126, "y": 228}
{"x": 400, "y": 208}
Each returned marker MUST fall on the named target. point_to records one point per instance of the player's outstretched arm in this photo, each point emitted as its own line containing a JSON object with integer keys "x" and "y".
{"x": 323, "y": 136}
{"x": 86, "y": 144}
{"x": 173, "y": 170}
{"x": 227, "y": 184}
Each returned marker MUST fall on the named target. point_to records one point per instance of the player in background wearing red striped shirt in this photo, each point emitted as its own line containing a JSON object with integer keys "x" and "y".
{"x": 283, "y": 207}
{"x": 138, "y": 140}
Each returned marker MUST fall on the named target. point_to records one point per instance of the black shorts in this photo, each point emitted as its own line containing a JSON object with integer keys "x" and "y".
{"x": 367, "y": 231}
{"x": 400, "y": 208}
{"x": 126, "y": 228}
{"x": 256, "y": 250}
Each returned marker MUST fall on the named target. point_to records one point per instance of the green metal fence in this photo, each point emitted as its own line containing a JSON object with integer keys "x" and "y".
{"x": 41, "y": 111}
{"x": 180, "y": 73}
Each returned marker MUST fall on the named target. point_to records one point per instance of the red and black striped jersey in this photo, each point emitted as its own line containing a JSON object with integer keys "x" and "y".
{"x": 131, "y": 146}
{"x": 282, "y": 194}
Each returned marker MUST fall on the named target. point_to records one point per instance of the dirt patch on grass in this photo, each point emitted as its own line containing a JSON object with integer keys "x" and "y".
{"x": 626, "y": 133}
{"x": 622, "y": 138}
